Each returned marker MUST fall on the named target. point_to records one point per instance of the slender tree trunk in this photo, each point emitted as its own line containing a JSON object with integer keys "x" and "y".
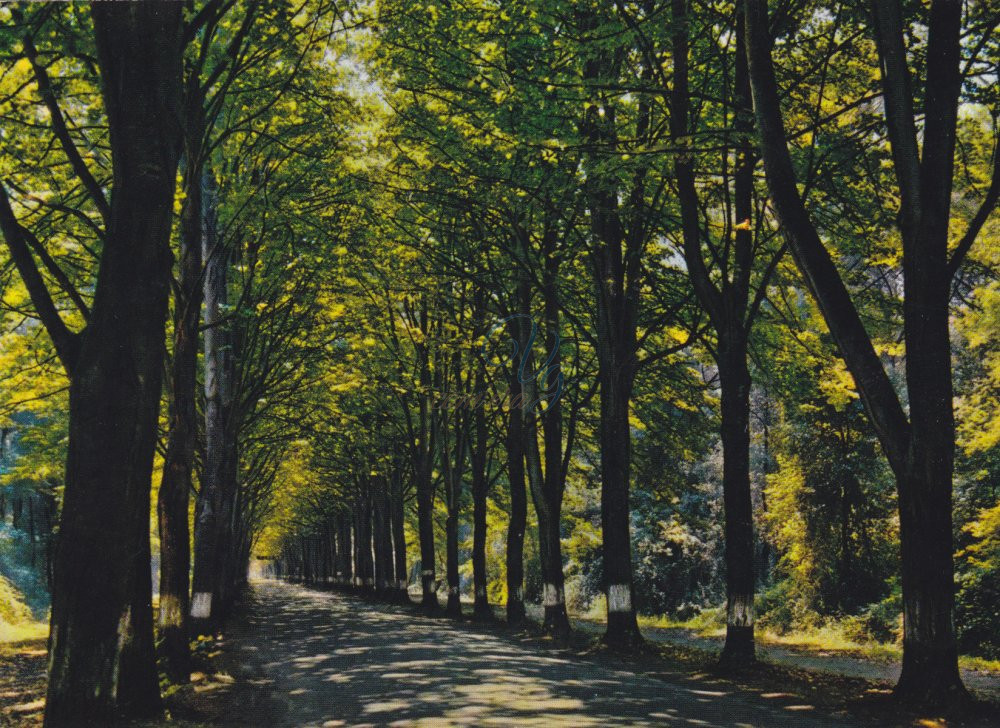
{"x": 178, "y": 462}
{"x": 344, "y": 550}
{"x": 548, "y": 504}
{"x": 480, "y": 487}
{"x": 518, "y": 508}
{"x": 101, "y": 655}
{"x": 399, "y": 538}
{"x": 453, "y": 471}
{"x": 384, "y": 577}
{"x": 210, "y": 550}
{"x": 425, "y": 526}
{"x": 366, "y": 567}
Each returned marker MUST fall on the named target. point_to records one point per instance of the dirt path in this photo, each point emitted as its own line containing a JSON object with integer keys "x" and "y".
{"x": 329, "y": 660}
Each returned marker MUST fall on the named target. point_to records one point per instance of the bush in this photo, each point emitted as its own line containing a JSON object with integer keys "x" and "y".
{"x": 13, "y": 609}
{"x": 978, "y": 613}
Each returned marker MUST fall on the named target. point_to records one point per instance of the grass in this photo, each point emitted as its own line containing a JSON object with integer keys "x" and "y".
{"x": 831, "y": 637}
{"x": 23, "y": 632}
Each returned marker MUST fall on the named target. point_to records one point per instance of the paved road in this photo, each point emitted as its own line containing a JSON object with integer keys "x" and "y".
{"x": 330, "y": 660}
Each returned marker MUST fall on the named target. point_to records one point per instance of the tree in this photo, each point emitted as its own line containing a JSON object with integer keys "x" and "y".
{"x": 101, "y": 648}
{"x": 919, "y": 445}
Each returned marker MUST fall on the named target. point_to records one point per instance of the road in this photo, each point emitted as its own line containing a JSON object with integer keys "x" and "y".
{"x": 329, "y": 660}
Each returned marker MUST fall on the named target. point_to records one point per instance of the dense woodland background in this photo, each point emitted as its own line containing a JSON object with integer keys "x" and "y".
{"x": 548, "y": 303}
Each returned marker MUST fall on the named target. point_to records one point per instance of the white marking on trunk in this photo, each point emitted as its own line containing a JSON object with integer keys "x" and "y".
{"x": 518, "y": 594}
{"x": 201, "y": 605}
{"x": 452, "y": 590}
{"x": 740, "y": 612}
{"x": 552, "y": 596}
{"x": 428, "y": 572}
{"x": 619, "y": 598}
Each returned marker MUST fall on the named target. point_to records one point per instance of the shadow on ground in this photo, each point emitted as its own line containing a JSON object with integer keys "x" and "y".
{"x": 330, "y": 660}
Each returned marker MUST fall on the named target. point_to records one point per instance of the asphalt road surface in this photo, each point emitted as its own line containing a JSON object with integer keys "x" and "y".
{"x": 330, "y": 660}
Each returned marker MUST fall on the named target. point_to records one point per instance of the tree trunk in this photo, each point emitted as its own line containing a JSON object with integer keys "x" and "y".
{"x": 178, "y": 462}
{"x": 518, "y": 509}
{"x": 384, "y": 577}
{"x": 425, "y": 526}
{"x": 548, "y": 504}
{"x": 363, "y": 537}
{"x": 453, "y": 471}
{"x": 623, "y": 629}
{"x": 210, "y": 547}
{"x": 399, "y": 538}
{"x": 101, "y": 656}
{"x": 480, "y": 490}
{"x": 735, "y": 383}
{"x": 345, "y": 573}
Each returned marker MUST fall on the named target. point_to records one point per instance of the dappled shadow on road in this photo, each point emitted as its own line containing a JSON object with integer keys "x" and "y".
{"x": 335, "y": 661}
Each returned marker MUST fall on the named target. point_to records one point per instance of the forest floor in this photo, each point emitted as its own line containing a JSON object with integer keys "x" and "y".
{"x": 22, "y": 682}
{"x": 302, "y": 657}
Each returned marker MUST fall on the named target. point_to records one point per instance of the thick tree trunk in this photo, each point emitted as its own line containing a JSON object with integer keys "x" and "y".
{"x": 518, "y": 509}
{"x": 623, "y": 629}
{"x": 735, "y": 382}
{"x": 924, "y": 485}
{"x": 101, "y": 656}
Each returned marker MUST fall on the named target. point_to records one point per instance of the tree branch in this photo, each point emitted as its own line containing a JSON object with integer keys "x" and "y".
{"x": 979, "y": 219}
{"x": 61, "y": 130}
{"x": 813, "y": 259}
{"x": 66, "y": 342}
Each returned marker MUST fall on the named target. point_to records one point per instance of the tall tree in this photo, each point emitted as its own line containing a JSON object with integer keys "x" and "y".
{"x": 101, "y": 660}
{"x": 918, "y": 443}
{"x": 725, "y": 278}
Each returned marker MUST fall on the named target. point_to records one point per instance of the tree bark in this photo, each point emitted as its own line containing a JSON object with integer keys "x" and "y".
{"x": 727, "y": 306}
{"x": 101, "y": 656}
